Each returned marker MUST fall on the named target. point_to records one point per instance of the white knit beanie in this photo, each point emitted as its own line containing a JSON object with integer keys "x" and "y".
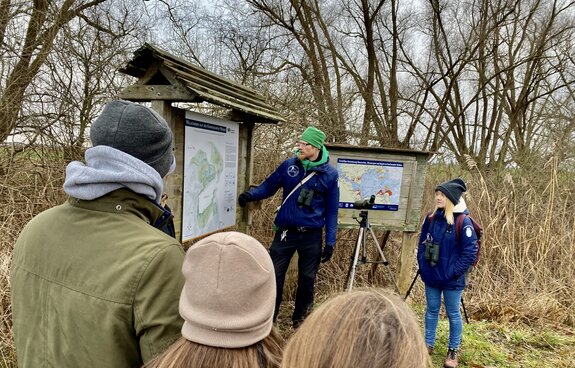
{"x": 229, "y": 293}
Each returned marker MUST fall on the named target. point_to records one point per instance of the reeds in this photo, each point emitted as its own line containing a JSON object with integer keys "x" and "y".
{"x": 29, "y": 184}
{"x": 527, "y": 266}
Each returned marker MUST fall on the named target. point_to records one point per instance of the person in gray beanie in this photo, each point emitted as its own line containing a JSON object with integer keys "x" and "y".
{"x": 136, "y": 130}
{"x": 227, "y": 304}
{"x": 103, "y": 278}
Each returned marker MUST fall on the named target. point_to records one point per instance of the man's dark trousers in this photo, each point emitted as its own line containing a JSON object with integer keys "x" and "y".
{"x": 308, "y": 244}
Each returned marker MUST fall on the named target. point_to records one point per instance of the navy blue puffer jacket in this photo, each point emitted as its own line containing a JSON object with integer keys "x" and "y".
{"x": 456, "y": 256}
{"x": 324, "y": 205}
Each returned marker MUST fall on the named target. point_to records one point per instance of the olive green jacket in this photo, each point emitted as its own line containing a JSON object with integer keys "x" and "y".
{"x": 95, "y": 285}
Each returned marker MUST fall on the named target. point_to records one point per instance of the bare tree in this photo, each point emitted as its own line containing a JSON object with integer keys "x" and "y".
{"x": 83, "y": 75}
{"x": 491, "y": 73}
{"x": 306, "y": 33}
{"x": 43, "y": 20}
{"x": 184, "y": 28}
{"x": 377, "y": 24}
{"x": 350, "y": 61}
{"x": 481, "y": 80}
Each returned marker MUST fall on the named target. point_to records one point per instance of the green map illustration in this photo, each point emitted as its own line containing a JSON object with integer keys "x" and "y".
{"x": 210, "y": 175}
{"x": 207, "y": 165}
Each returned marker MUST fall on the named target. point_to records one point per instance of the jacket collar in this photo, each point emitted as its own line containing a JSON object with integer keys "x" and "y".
{"x": 126, "y": 201}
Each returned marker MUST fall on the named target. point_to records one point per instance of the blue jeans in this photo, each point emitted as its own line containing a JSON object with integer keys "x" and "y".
{"x": 451, "y": 298}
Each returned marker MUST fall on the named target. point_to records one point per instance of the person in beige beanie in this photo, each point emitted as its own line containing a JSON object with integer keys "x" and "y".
{"x": 227, "y": 304}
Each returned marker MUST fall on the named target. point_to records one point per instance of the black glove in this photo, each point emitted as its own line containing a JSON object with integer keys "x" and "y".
{"x": 327, "y": 253}
{"x": 244, "y": 198}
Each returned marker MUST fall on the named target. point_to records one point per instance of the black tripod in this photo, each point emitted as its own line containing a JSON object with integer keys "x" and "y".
{"x": 413, "y": 283}
{"x": 361, "y": 246}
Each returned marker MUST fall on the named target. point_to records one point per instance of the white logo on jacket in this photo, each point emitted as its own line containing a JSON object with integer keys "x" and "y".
{"x": 293, "y": 171}
{"x": 468, "y": 232}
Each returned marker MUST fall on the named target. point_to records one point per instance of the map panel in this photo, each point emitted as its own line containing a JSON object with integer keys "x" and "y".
{"x": 360, "y": 179}
{"x": 210, "y": 175}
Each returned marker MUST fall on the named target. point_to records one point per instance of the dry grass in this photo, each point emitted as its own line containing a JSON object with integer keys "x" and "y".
{"x": 529, "y": 218}
{"x": 529, "y": 243}
{"x": 28, "y": 185}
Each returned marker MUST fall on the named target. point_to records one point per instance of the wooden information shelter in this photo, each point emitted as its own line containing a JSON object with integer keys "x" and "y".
{"x": 164, "y": 79}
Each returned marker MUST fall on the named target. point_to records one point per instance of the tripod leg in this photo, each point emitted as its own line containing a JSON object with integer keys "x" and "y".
{"x": 353, "y": 263}
{"x": 464, "y": 310}
{"x": 385, "y": 263}
{"x": 383, "y": 243}
{"x": 411, "y": 286}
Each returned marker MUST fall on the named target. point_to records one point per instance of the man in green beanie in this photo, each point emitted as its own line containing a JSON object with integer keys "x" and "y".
{"x": 310, "y": 203}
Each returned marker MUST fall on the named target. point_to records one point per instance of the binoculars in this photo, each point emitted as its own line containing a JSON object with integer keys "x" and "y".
{"x": 305, "y": 197}
{"x": 431, "y": 251}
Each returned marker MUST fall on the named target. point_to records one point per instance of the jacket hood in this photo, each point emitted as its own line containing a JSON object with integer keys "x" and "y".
{"x": 461, "y": 207}
{"x": 108, "y": 169}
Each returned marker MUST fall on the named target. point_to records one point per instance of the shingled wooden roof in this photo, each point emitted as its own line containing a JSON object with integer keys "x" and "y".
{"x": 162, "y": 76}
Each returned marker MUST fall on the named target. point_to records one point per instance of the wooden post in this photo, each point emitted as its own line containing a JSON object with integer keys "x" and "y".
{"x": 406, "y": 260}
{"x": 245, "y": 170}
{"x": 174, "y": 182}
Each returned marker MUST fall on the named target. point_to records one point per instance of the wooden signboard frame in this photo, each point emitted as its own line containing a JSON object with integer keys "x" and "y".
{"x": 402, "y": 214}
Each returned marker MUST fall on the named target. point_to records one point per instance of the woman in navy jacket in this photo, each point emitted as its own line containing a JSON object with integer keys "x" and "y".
{"x": 444, "y": 260}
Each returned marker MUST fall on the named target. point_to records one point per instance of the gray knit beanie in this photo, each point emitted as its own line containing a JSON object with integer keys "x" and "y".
{"x": 229, "y": 293}
{"x": 137, "y": 131}
{"x": 452, "y": 189}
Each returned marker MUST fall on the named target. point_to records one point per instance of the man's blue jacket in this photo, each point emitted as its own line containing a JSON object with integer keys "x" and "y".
{"x": 324, "y": 205}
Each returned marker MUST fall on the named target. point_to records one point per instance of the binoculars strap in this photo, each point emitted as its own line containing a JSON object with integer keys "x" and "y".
{"x": 304, "y": 180}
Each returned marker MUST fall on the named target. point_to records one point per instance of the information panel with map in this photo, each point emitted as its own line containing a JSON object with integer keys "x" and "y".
{"x": 394, "y": 176}
{"x": 360, "y": 179}
{"x": 210, "y": 175}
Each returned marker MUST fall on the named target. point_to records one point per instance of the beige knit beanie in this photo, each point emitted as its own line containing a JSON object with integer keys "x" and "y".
{"x": 229, "y": 293}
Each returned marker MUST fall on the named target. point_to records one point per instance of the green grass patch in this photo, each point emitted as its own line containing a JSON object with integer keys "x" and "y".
{"x": 488, "y": 344}
{"x": 511, "y": 345}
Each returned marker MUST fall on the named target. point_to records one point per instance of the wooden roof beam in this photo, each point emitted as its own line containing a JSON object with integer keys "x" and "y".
{"x": 158, "y": 92}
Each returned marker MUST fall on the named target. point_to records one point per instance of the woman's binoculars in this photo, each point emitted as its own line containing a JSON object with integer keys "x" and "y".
{"x": 431, "y": 251}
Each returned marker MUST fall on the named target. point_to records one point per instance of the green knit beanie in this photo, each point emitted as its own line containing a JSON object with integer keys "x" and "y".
{"x": 313, "y": 136}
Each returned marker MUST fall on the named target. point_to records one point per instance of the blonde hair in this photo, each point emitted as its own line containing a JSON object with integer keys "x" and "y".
{"x": 184, "y": 353}
{"x": 365, "y": 328}
{"x": 449, "y": 207}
